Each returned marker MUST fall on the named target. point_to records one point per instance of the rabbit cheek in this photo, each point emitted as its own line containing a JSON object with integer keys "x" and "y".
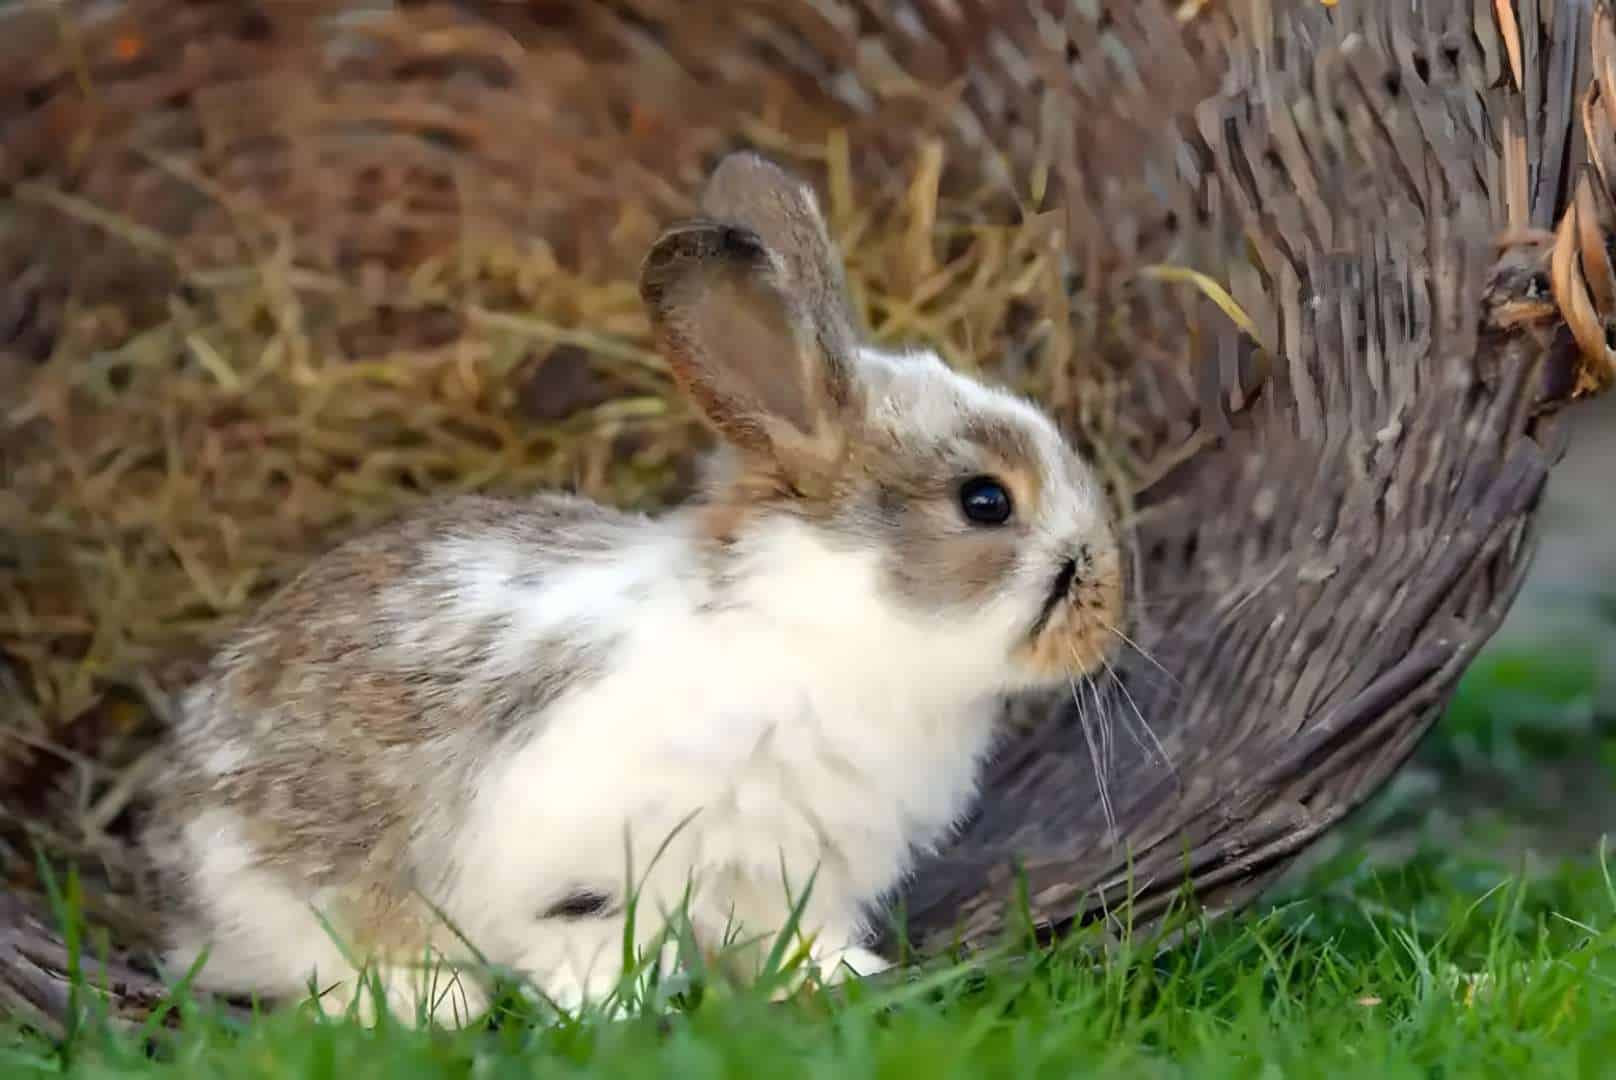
{"x": 934, "y": 570}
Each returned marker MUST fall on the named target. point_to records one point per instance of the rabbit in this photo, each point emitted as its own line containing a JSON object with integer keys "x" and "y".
{"x": 481, "y": 732}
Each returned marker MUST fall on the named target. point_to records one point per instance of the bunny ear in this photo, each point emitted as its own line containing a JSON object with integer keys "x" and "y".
{"x": 746, "y": 189}
{"x": 748, "y": 312}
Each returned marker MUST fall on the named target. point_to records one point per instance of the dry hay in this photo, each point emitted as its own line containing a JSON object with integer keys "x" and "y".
{"x": 275, "y": 272}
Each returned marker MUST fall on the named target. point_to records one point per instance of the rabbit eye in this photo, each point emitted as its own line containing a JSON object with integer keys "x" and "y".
{"x": 985, "y": 501}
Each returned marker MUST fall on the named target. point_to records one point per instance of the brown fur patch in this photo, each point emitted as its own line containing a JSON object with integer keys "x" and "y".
{"x": 753, "y": 191}
{"x": 750, "y": 309}
{"x": 1010, "y": 453}
{"x": 743, "y": 349}
{"x": 390, "y": 922}
{"x": 936, "y": 558}
{"x": 343, "y": 737}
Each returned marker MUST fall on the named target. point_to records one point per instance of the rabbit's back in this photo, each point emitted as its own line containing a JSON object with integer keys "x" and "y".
{"x": 339, "y": 727}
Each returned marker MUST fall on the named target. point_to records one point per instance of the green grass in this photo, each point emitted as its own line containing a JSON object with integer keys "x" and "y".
{"x": 1522, "y": 706}
{"x": 1444, "y": 960}
{"x": 1442, "y": 965}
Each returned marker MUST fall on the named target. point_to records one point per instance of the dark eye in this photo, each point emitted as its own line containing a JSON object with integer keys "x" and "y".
{"x": 985, "y": 501}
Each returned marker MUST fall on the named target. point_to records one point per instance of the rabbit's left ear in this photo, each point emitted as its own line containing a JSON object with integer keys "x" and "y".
{"x": 749, "y": 308}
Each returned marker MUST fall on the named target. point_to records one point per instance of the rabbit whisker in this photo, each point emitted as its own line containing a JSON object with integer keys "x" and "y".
{"x": 1156, "y": 744}
{"x": 1100, "y": 778}
{"x": 1140, "y": 649}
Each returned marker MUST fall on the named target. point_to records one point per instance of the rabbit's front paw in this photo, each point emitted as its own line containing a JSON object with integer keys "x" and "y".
{"x": 830, "y": 966}
{"x": 575, "y": 984}
{"x": 571, "y": 991}
{"x": 853, "y": 961}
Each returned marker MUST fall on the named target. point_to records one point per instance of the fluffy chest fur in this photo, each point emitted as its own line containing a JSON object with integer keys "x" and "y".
{"x": 791, "y": 720}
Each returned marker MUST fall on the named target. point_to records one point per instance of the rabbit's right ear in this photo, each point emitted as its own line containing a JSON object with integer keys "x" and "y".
{"x": 747, "y": 189}
{"x": 748, "y": 309}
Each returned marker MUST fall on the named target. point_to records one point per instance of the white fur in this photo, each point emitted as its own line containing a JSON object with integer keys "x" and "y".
{"x": 810, "y": 729}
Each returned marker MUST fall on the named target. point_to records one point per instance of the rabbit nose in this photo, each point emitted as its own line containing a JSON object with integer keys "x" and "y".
{"x": 1057, "y": 594}
{"x": 1063, "y": 580}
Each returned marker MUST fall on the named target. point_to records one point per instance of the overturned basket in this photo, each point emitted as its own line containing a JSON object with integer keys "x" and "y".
{"x": 1310, "y": 279}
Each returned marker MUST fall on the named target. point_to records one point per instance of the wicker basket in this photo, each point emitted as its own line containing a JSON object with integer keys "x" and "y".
{"x": 1310, "y": 279}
